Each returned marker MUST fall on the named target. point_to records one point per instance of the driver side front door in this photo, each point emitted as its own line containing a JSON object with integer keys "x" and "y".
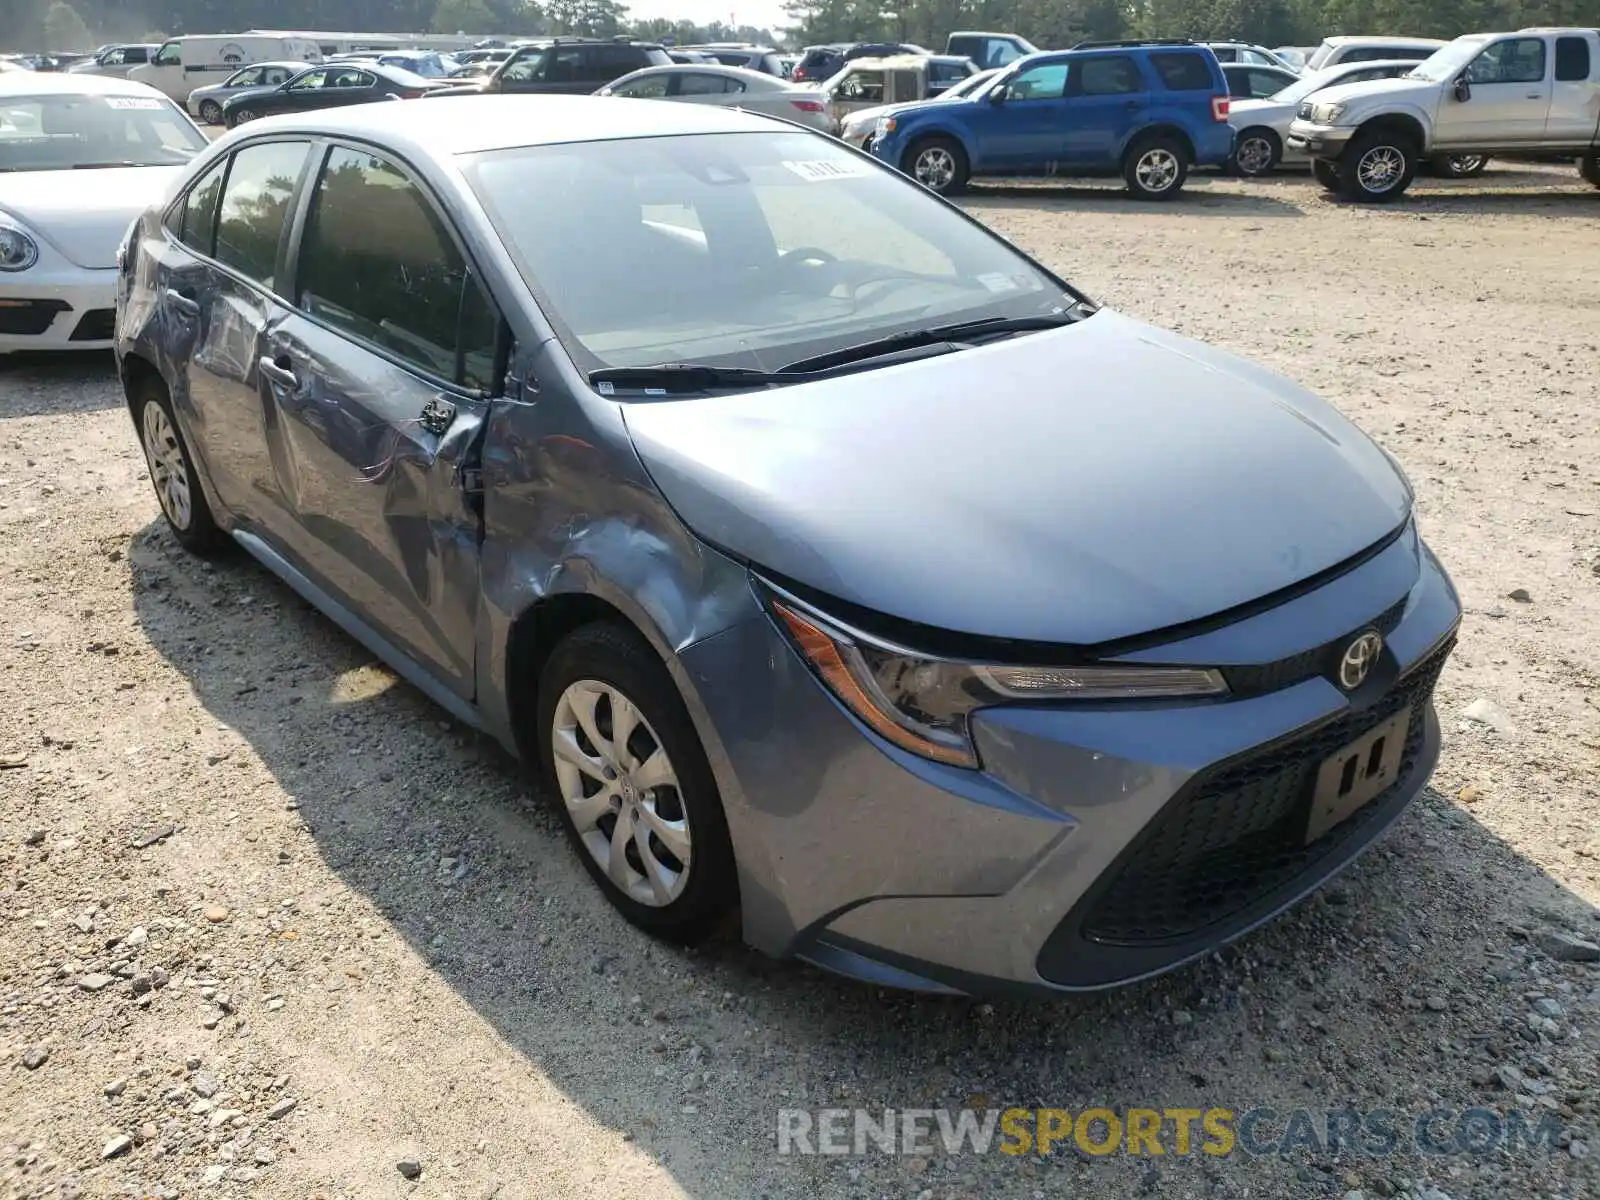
{"x": 1508, "y": 101}
{"x": 1025, "y": 132}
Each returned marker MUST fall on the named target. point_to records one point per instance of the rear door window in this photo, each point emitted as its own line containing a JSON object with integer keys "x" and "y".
{"x": 1572, "y": 60}
{"x": 1183, "y": 71}
{"x": 255, "y": 207}
{"x": 1107, "y": 75}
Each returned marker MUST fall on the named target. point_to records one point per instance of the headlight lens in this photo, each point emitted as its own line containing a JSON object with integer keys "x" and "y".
{"x": 1329, "y": 114}
{"x": 921, "y": 704}
{"x": 18, "y": 251}
{"x": 885, "y": 125}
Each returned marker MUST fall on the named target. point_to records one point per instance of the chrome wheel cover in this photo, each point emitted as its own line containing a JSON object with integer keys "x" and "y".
{"x": 1380, "y": 169}
{"x": 1465, "y": 164}
{"x": 935, "y": 168}
{"x": 168, "y": 474}
{"x": 622, "y": 792}
{"x": 1254, "y": 155}
{"x": 1157, "y": 169}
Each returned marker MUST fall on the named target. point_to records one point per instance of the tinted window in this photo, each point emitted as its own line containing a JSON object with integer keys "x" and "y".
{"x": 1572, "y": 60}
{"x": 137, "y": 54}
{"x": 255, "y": 206}
{"x": 944, "y": 72}
{"x": 1225, "y": 53}
{"x": 604, "y": 63}
{"x": 1514, "y": 60}
{"x": 650, "y": 87}
{"x": 311, "y": 79}
{"x": 246, "y": 77}
{"x": 1108, "y": 76}
{"x": 1267, "y": 83}
{"x": 1047, "y": 81}
{"x": 697, "y": 84}
{"x": 197, "y": 219}
{"x": 378, "y": 263}
{"x": 1183, "y": 72}
{"x": 348, "y": 79}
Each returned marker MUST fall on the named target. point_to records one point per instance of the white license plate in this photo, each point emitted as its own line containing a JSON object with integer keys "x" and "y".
{"x": 1355, "y": 775}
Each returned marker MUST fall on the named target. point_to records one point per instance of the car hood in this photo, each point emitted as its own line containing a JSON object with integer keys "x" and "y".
{"x": 867, "y": 115}
{"x": 1075, "y": 486}
{"x": 461, "y": 89}
{"x": 84, "y": 214}
{"x": 1388, "y": 89}
{"x": 1259, "y": 112}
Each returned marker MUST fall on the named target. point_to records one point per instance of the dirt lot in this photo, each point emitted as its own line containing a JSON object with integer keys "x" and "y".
{"x": 270, "y": 926}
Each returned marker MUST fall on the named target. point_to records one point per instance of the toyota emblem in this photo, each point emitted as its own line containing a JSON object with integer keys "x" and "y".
{"x": 1360, "y": 656}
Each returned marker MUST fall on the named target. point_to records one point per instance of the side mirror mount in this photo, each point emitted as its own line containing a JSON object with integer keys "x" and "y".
{"x": 1463, "y": 89}
{"x": 998, "y": 95}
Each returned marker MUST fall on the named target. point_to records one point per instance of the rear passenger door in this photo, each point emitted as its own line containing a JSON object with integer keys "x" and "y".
{"x": 1106, "y": 96}
{"x": 221, "y": 291}
{"x": 1574, "y": 101}
{"x": 380, "y": 376}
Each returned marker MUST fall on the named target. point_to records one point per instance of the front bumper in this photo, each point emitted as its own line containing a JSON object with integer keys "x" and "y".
{"x": 1101, "y": 844}
{"x": 57, "y": 308}
{"x": 1317, "y": 141}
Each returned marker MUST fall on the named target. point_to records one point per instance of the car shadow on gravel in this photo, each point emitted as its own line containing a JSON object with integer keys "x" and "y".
{"x": 1404, "y": 986}
{"x": 1196, "y": 201}
{"x": 42, "y": 385}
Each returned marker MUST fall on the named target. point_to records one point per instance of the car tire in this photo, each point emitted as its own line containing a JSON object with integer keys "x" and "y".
{"x": 1256, "y": 151}
{"x": 596, "y": 786}
{"x": 211, "y": 112}
{"x": 240, "y": 116}
{"x": 1589, "y": 168}
{"x": 1458, "y": 166}
{"x": 938, "y": 164}
{"x": 1326, "y": 174}
{"x": 1377, "y": 167}
{"x": 1155, "y": 168}
{"x": 172, "y": 474}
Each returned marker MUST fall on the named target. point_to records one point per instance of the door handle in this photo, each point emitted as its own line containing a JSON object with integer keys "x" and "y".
{"x": 277, "y": 372}
{"x": 1535, "y": 95}
{"x": 184, "y": 303}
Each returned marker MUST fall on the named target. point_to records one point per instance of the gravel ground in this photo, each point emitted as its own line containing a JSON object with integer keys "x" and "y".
{"x": 273, "y": 927}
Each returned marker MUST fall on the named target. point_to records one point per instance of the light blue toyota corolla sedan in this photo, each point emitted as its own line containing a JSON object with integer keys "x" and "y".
{"x": 837, "y": 565}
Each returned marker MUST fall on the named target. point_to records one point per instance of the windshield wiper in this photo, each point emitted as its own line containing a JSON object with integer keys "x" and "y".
{"x": 682, "y": 377}
{"x": 95, "y": 166}
{"x": 958, "y": 333}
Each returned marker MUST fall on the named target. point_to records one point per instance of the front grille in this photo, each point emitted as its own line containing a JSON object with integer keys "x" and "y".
{"x": 96, "y": 325}
{"x": 1322, "y": 660}
{"x": 29, "y": 318}
{"x": 1237, "y": 834}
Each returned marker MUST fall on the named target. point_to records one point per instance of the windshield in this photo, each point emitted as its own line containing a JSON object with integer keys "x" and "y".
{"x": 1448, "y": 60}
{"x": 968, "y": 86}
{"x": 777, "y": 246}
{"x": 1315, "y": 82}
{"x": 58, "y": 133}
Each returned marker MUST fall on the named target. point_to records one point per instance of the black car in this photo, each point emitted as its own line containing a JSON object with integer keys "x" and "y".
{"x": 571, "y": 66}
{"x": 329, "y": 86}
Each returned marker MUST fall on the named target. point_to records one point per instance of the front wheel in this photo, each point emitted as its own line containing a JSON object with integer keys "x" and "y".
{"x": 240, "y": 117}
{"x": 1377, "y": 167}
{"x": 633, "y": 786}
{"x": 1256, "y": 152}
{"x": 1155, "y": 169}
{"x": 938, "y": 164}
{"x": 211, "y": 112}
{"x": 1589, "y": 168}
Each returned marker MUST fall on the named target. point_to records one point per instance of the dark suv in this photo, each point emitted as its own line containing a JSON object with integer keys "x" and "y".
{"x": 572, "y": 66}
{"x": 824, "y": 62}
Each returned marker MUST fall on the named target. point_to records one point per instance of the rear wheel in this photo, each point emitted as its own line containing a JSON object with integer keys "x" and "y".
{"x": 1155, "y": 168}
{"x": 1256, "y": 152}
{"x": 1326, "y": 174}
{"x": 1589, "y": 168}
{"x": 241, "y": 116}
{"x": 211, "y": 112}
{"x": 938, "y": 164}
{"x": 633, "y": 786}
{"x": 172, "y": 473}
{"x": 1459, "y": 166}
{"x": 1377, "y": 166}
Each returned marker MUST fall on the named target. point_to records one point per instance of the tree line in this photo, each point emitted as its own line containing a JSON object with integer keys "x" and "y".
{"x": 82, "y": 24}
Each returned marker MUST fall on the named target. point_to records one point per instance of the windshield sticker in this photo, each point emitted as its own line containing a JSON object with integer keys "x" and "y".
{"x": 133, "y": 102}
{"x": 816, "y": 172}
{"x": 996, "y": 282}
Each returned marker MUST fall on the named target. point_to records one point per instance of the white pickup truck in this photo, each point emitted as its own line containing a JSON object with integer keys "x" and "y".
{"x": 1536, "y": 91}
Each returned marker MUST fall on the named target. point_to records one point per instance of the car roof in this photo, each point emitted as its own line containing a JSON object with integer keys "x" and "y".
{"x": 1349, "y": 39}
{"x": 710, "y": 68}
{"x": 451, "y": 125}
{"x": 54, "y": 83}
{"x": 1363, "y": 63}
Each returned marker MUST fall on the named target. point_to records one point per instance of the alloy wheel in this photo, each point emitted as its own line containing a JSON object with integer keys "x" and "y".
{"x": 211, "y": 112}
{"x": 1157, "y": 169}
{"x": 1466, "y": 164}
{"x": 935, "y": 168}
{"x": 243, "y": 115}
{"x": 1254, "y": 155}
{"x": 1380, "y": 169}
{"x": 622, "y": 792}
{"x": 167, "y": 470}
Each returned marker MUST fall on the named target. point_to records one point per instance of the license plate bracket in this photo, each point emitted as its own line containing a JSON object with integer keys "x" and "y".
{"x": 1353, "y": 777}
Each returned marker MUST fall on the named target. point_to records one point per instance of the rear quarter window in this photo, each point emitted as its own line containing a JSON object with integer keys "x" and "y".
{"x": 1183, "y": 71}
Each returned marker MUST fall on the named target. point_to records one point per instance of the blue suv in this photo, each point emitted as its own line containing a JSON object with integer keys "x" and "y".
{"x": 1147, "y": 111}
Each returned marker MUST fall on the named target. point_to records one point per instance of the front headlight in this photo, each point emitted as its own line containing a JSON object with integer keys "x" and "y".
{"x": 921, "y": 703}
{"x": 18, "y": 251}
{"x": 885, "y": 126}
{"x": 1329, "y": 114}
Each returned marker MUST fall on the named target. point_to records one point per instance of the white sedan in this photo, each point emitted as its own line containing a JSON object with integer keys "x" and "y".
{"x": 736, "y": 87}
{"x": 1262, "y": 125}
{"x": 80, "y": 157}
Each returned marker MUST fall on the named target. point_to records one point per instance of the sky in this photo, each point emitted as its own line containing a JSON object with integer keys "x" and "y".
{"x": 768, "y": 13}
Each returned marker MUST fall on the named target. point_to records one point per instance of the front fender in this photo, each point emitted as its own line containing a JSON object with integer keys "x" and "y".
{"x": 934, "y": 127}
{"x": 1397, "y": 112}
